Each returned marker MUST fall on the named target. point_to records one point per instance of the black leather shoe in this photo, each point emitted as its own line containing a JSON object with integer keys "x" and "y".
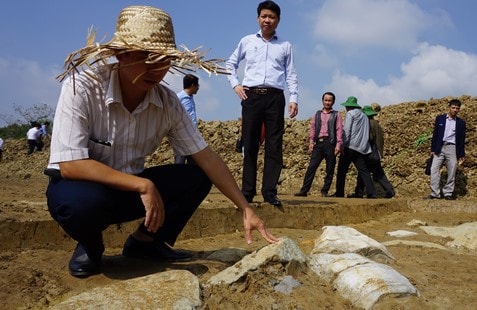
{"x": 449, "y": 198}
{"x": 249, "y": 198}
{"x": 432, "y": 197}
{"x": 157, "y": 250}
{"x": 81, "y": 265}
{"x": 354, "y": 195}
{"x": 324, "y": 194}
{"x": 300, "y": 194}
{"x": 390, "y": 195}
{"x": 273, "y": 200}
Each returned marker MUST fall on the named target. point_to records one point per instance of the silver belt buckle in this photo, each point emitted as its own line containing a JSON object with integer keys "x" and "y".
{"x": 262, "y": 91}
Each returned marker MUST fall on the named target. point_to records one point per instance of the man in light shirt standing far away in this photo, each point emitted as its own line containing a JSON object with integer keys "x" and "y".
{"x": 190, "y": 84}
{"x": 269, "y": 67}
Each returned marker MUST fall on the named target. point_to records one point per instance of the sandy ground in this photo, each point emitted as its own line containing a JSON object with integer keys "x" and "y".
{"x": 34, "y": 276}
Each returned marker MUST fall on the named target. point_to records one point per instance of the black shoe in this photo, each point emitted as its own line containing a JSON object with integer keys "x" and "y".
{"x": 273, "y": 200}
{"x": 390, "y": 195}
{"x": 324, "y": 194}
{"x": 371, "y": 197}
{"x": 81, "y": 265}
{"x": 301, "y": 194}
{"x": 354, "y": 195}
{"x": 157, "y": 250}
{"x": 248, "y": 198}
{"x": 336, "y": 195}
{"x": 432, "y": 197}
{"x": 449, "y": 198}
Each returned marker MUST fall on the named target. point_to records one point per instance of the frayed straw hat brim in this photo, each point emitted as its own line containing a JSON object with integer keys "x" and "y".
{"x": 141, "y": 28}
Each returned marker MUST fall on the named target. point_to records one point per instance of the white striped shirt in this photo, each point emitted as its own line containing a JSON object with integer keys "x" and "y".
{"x": 91, "y": 122}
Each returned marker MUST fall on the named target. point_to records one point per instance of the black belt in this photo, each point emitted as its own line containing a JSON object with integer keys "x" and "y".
{"x": 53, "y": 173}
{"x": 448, "y": 143}
{"x": 264, "y": 90}
{"x": 321, "y": 139}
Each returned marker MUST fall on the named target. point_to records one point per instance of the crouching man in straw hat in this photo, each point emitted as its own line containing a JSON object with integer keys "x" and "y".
{"x": 108, "y": 119}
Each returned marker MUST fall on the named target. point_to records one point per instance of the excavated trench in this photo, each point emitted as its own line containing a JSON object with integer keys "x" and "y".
{"x": 219, "y": 217}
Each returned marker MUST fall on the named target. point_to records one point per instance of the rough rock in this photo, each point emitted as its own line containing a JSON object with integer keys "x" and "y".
{"x": 401, "y": 233}
{"x": 415, "y": 223}
{"x": 177, "y": 289}
{"x": 285, "y": 251}
{"x": 230, "y": 255}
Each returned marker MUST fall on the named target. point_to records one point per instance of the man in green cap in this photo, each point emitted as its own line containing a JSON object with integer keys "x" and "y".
{"x": 356, "y": 147}
{"x": 376, "y": 139}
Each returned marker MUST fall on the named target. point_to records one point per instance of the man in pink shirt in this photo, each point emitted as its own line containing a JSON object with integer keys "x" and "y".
{"x": 326, "y": 139}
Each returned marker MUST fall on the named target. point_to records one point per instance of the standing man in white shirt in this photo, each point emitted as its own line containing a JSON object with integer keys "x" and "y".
{"x": 190, "y": 84}
{"x": 1, "y": 148}
{"x": 33, "y": 138}
{"x": 269, "y": 68}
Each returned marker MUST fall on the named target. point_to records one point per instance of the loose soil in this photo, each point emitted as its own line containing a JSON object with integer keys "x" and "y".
{"x": 34, "y": 252}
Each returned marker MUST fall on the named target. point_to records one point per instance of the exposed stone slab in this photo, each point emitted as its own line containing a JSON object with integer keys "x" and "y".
{"x": 228, "y": 255}
{"x": 365, "y": 284}
{"x": 421, "y": 244}
{"x": 285, "y": 250}
{"x": 464, "y": 235}
{"x": 401, "y": 233}
{"x": 177, "y": 289}
{"x": 359, "y": 279}
{"x": 342, "y": 239}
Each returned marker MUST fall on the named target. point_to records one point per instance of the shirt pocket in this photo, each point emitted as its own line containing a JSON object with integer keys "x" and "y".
{"x": 99, "y": 151}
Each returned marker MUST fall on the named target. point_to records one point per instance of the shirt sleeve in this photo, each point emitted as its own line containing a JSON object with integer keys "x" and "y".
{"x": 232, "y": 64}
{"x": 71, "y": 116}
{"x": 339, "y": 130}
{"x": 291, "y": 76}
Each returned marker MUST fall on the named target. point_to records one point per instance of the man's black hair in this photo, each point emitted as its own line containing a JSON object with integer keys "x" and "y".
{"x": 455, "y": 102}
{"x": 268, "y": 5}
{"x": 189, "y": 80}
{"x": 330, "y": 94}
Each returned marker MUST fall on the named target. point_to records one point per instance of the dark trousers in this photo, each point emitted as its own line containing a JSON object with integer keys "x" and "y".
{"x": 359, "y": 160}
{"x": 84, "y": 209}
{"x": 322, "y": 150}
{"x": 257, "y": 110}
{"x": 379, "y": 176}
{"x": 32, "y": 144}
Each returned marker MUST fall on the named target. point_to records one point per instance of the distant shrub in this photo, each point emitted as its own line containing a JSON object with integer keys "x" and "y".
{"x": 423, "y": 139}
{"x": 14, "y": 131}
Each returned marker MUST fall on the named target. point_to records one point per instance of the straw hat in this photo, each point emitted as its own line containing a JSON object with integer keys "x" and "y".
{"x": 141, "y": 28}
{"x": 351, "y": 102}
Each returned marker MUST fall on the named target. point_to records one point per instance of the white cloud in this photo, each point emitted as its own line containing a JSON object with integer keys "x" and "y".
{"x": 367, "y": 23}
{"x": 434, "y": 71}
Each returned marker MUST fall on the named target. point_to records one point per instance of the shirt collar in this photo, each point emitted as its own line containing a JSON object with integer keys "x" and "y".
{"x": 259, "y": 35}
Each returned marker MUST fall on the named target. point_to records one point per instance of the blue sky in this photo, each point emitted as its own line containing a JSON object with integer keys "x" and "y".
{"x": 385, "y": 51}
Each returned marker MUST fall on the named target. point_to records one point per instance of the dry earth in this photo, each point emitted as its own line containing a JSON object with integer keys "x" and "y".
{"x": 34, "y": 252}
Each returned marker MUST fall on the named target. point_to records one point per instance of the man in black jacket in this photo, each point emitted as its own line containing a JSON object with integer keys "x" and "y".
{"x": 447, "y": 145}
